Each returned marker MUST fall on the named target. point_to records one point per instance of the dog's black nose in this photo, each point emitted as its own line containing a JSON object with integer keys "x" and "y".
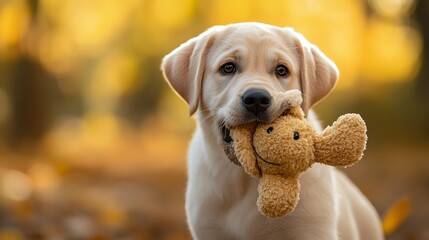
{"x": 256, "y": 100}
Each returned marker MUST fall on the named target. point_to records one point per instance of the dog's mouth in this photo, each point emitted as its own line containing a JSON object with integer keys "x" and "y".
{"x": 228, "y": 141}
{"x": 228, "y": 145}
{"x": 226, "y": 135}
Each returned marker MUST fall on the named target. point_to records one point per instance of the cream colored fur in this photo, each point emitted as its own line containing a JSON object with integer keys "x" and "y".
{"x": 220, "y": 196}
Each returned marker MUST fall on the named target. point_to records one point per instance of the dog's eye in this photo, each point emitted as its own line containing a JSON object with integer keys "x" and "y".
{"x": 282, "y": 71}
{"x": 228, "y": 68}
{"x": 270, "y": 130}
{"x": 295, "y": 136}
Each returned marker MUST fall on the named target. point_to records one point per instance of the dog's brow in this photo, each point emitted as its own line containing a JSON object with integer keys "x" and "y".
{"x": 227, "y": 44}
{"x": 233, "y": 54}
{"x": 281, "y": 57}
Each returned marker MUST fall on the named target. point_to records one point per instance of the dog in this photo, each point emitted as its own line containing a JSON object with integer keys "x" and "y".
{"x": 234, "y": 74}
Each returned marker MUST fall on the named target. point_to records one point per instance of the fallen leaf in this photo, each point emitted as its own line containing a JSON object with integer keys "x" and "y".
{"x": 396, "y": 214}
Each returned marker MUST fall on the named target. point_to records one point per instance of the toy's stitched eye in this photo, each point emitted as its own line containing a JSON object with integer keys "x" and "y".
{"x": 270, "y": 130}
{"x": 282, "y": 71}
{"x": 295, "y": 136}
{"x": 228, "y": 68}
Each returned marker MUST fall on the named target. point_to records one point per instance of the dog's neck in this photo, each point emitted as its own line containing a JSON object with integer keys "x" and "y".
{"x": 228, "y": 176}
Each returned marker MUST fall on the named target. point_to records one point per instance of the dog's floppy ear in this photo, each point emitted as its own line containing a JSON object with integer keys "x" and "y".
{"x": 183, "y": 68}
{"x": 318, "y": 73}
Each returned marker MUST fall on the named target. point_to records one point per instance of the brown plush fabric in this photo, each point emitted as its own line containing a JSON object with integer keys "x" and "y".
{"x": 274, "y": 143}
{"x": 343, "y": 143}
{"x": 278, "y": 152}
{"x": 244, "y": 148}
{"x": 278, "y": 195}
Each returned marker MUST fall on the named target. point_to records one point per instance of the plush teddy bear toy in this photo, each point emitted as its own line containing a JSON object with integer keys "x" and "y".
{"x": 278, "y": 152}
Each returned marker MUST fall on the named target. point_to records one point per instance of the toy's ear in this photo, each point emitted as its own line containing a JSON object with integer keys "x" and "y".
{"x": 293, "y": 97}
{"x": 297, "y": 112}
{"x": 343, "y": 143}
{"x": 184, "y": 67}
{"x": 243, "y": 147}
{"x": 318, "y": 73}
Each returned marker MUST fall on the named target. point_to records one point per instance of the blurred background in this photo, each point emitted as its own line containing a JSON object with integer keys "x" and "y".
{"x": 93, "y": 143}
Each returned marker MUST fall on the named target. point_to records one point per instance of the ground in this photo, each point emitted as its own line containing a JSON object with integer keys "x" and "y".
{"x": 54, "y": 200}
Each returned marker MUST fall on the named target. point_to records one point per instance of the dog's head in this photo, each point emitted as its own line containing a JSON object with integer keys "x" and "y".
{"x": 238, "y": 73}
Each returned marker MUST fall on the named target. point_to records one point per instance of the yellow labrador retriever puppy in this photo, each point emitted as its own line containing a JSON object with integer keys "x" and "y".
{"x": 238, "y": 73}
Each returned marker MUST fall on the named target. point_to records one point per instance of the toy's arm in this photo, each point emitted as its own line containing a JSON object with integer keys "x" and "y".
{"x": 343, "y": 143}
{"x": 244, "y": 150}
{"x": 278, "y": 195}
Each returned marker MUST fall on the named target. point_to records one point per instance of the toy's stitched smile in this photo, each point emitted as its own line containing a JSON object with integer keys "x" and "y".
{"x": 277, "y": 164}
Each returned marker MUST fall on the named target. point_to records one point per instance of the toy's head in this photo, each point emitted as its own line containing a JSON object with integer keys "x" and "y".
{"x": 278, "y": 152}
{"x": 285, "y": 146}
{"x": 290, "y": 145}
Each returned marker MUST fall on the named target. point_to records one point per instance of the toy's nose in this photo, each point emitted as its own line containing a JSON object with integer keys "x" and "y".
{"x": 256, "y": 100}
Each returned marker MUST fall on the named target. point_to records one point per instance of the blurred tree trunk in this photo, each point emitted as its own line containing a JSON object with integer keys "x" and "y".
{"x": 142, "y": 102}
{"x": 422, "y": 17}
{"x": 29, "y": 101}
{"x": 422, "y": 80}
{"x": 29, "y": 92}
